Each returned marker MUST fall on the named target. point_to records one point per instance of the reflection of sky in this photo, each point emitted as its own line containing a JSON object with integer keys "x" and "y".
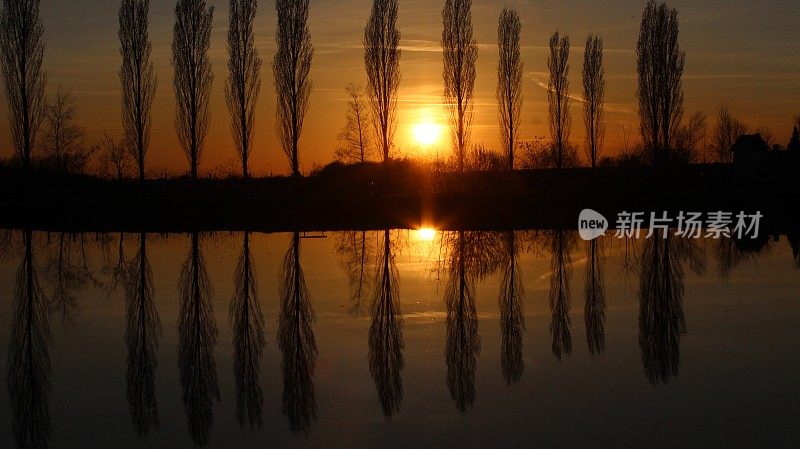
{"x": 737, "y": 385}
{"x": 742, "y": 52}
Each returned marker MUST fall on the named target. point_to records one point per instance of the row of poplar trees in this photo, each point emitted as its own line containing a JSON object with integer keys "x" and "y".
{"x": 659, "y": 64}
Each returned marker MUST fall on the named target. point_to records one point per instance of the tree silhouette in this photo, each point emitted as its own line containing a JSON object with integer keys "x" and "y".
{"x": 794, "y": 141}
{"x": 142, "y": 333}
{"x": 463, "y": 343}
{"x": 28, "y": 369}
{"x": 114, "y": 156}
{"x": 244, "y": 76}
{"x": 356, "y": 257}
{"x": 67, "y": 276}
{"x": 460, "y": 51}
{"x": 660, "y": 62}
{"x": 192, "y": 79}
{"x": 63, "y": 141}
{"x": 21, "y": 54}
{"x": 291, "y": 67}
{"x": 197, "y": 336}
{"x": 560, "y": 326}
{"x": 594, "y": 89}
{"x": 136, "y": 77}
{"x": 594, "y": 312}
{"x": 115, "y": 268}
{"x": 689, "y": 139}
{"x": 512, "y": 318}
{"x": 296, "y": 342}
{"x": 509, "y": 80}
{"x": 382, "y": 62}
{"x": 355, "y": 142}
{"x": 726, "y": 132}
{"x": 729, "y": 256}
{"x": 386, "y": 334}
{"x": 247, "y": 323}
{"x": 560, "y": 120}
{"x": 661, "y": 320}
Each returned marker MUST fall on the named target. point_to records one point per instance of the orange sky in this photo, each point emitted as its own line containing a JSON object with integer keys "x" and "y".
{"x": 744, "y": 53}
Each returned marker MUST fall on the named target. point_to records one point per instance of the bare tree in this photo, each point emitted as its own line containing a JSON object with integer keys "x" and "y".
{"x": 463, "y": 343}
{"x": 142, "y": 335}
{"x": 512, "y": 316}
{"x": 197, "y": 336}
{"x": 660, "y": 68}
{"x": 21, "y": 54}
{"x": 594, "y": 90}
{"x": 689, "y": 139}
{"x": 63, "y": 141}
{"x": 28, "y": 359}
{"x": 193, "y": 77}
{"x": 136, "y": 76}
{"x": 727, "y": 130}
{"x": 296, "y": 342}
{"x": 460, "y": 50}
{"x": 559, "y": 117}
{"x": 356, "y": 255}
{"x": 661, "y": 318}
{"x": 561, "y": 244}
{"x": 355, "y": 142}
{"x": 291, "y": 67}
{"x": 382, "y": 62}
{"x": 244, "y": 76}
{"x": 115, "y": 157}
{"x": 594, "y": 312}
{"x": 509, "y": 80}
{"x": 386, "y": 360}
{"x": 247, "y": 323}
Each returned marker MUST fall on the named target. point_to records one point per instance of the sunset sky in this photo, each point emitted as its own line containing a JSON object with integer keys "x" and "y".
{"x": 742, "y": 52}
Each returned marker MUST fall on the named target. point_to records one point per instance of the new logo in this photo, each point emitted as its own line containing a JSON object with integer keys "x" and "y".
{"x": 591, "y": 224}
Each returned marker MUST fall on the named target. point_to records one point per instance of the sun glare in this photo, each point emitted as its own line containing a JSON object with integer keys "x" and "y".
{"x": 427, "y": 134}
{"x": 426, "y": 234}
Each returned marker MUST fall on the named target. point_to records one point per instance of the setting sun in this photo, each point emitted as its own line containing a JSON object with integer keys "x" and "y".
{"x": 426, "y": 234}
{"x": 427, "y": 133}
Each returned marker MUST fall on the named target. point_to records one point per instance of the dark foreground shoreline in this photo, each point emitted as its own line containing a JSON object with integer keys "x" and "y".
{"x": 396, "y": 196}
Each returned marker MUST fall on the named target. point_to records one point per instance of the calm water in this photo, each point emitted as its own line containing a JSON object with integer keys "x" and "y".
{"x": 397, "y": 339}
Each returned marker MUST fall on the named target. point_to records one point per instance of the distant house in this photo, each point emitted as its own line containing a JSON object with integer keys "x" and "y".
{"x": 750, "y": 150}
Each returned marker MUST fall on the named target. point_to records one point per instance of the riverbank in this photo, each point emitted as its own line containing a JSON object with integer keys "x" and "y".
{"x": 399, "y": 195}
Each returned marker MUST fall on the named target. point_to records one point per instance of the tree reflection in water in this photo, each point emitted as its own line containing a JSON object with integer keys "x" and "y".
{"x": 296, "y": 342}
{"x": 142, "y": 333}
{"x": 28, "y": 373}
{"x": 594, "y": 312}
{"x": 386, "y": 333}
{"x": 197, "y": 336}
{"x": 661, "y": 288}
{"x": 247, "y": 323}
{"x": 470, "y": 256}
{"x": 512, "y": 318}
{"x": 560, "y": 265}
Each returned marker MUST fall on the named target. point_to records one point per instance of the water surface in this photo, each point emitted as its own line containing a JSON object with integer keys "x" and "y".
{"x": 397, "y": 338}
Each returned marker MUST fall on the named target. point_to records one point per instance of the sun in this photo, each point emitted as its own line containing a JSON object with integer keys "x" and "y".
{"x": 427, "y": 133}
{"x": 425, "y": 234}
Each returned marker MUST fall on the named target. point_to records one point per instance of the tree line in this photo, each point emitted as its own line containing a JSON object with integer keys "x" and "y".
{"x": 371, "y": 110}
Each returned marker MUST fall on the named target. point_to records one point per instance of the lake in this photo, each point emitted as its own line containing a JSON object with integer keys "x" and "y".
{"x": 397, "y": 338}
